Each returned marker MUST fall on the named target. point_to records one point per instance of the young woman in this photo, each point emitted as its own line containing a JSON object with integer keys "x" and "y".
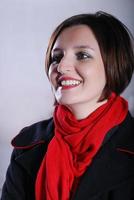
{"x": 86, "y": 151}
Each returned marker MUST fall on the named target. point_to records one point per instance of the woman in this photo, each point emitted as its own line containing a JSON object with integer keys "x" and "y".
{"x": 86, "y": 150}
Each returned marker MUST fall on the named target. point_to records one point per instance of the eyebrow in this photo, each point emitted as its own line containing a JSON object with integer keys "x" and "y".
{"x": 83, "y": 47}
{"x": 75, "y": 47}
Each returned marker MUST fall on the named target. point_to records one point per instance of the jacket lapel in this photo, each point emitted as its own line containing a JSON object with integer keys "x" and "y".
{"x": 32, "y": 143}
{"x": 31, "y": 160}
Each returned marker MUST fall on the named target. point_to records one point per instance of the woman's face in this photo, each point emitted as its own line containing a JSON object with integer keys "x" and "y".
{"x": 77, "y": 72}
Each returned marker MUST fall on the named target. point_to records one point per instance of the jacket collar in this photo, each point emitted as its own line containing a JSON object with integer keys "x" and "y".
{"x": 33, "y": 135}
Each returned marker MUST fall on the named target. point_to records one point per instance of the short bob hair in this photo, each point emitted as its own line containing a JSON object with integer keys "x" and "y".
{"x": 116, "y": 46}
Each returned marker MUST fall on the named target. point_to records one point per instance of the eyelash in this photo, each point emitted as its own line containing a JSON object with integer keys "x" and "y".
{"x": 80, "y": 56}
{"x": 56, "y": 59}
{"x": 83, "y": 55}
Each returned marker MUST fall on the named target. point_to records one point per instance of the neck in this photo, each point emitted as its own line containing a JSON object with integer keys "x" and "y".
{"x": 82, "y": 111}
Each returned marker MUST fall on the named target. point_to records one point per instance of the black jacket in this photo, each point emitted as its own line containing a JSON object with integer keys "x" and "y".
{"x": 109, "y": 177}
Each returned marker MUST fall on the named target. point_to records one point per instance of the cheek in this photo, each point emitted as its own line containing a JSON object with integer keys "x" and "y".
{"x": 99, "y": 78}
{"x": 94, "y": 75}
{"x": 102, "y": 76}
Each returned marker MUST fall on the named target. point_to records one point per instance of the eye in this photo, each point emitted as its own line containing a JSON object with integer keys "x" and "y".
{"x": 55, "y": 59}
{"x": 83, "y": 55}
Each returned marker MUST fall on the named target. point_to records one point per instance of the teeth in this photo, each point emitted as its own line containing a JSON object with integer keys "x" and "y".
{"x": 70, "y": 82}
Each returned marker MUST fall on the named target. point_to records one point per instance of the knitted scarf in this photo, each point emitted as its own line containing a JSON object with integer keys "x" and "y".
{"x": 74, "y": 146}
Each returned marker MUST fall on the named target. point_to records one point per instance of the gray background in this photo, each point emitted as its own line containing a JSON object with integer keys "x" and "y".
{"x": 25, "y": 27}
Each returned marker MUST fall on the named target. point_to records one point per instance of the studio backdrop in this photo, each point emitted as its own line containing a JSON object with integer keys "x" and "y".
{"x": 25, "y": 28}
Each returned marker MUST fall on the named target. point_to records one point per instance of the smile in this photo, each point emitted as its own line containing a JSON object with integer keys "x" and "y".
{"x": 68, "y": 82}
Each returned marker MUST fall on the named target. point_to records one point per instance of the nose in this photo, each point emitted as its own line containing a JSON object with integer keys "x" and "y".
{"x": 65, "y": 65}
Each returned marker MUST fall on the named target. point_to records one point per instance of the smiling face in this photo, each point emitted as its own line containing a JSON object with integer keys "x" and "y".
{"x": 77, "y": 72}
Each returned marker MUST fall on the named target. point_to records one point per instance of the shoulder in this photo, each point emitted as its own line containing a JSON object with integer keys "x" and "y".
{"x": 127, "y": 127}
{"x": 34, "y": 134}
{"x": 124, "y": 138}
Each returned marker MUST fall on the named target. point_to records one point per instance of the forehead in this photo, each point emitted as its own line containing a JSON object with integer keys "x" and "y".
{"x": 76, "y": 35}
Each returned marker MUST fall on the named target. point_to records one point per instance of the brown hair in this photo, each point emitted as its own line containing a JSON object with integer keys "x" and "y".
{"x": 115, "y": 43}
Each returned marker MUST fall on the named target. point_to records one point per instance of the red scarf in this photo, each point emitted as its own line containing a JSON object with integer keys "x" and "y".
{"x": 73, "y": 147}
